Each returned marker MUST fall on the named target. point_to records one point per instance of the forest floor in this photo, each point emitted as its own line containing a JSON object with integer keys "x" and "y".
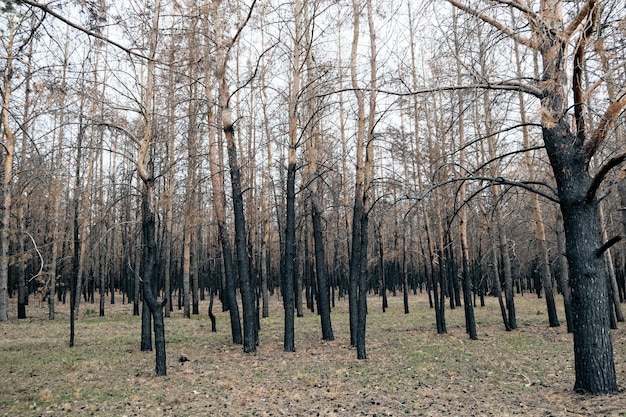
{"x": 410, "y": 369}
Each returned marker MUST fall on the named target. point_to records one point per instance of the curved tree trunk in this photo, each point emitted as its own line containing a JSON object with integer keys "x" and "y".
{"x": 148, "y": 215}
{"x": 149, "y": 278}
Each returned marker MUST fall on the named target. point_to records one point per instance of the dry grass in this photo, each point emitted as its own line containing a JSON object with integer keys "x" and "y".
{"x": 410, "y": 369}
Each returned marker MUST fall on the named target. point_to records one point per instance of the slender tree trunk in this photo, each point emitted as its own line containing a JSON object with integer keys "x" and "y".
{"x": 495, "y": 251}
{"x": 265, "y": 214}
{"x": 7, "y": 179}
{"x": 148, "y": 215}
{"x": 363, "y": 286}
{"x": 357, "y": 215}
{"x": 247, "y": 293}
{"x": 146, "y": 325}
{"x": 610, "y": 269}
{"x": 290, "y": 219}
{"x": 564, "y": 269}
{"x": 497, "y": 216}
{"x": 540, "y": 234}
{"x": 169, "y": 184}
{"x": 219, "y": 196}
{"x": 323, "y": 292}
{"x": 470, "y": 322}
{"x": 381, "y": 266}
{"x": 506, "y": 266}
{"x": 405, "y": 283}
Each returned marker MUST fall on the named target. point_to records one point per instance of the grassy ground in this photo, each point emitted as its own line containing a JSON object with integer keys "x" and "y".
{"x": 410, "y": 369}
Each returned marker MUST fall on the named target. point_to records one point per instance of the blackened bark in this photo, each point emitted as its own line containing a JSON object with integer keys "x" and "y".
{"x": 470, "y": 321}
{"x": 22, "y": 289}
{"x": 593, "y": 347}
{"x": 544, "y": 269}
{"x": 323, "y": 294}
{"x": 211, "y": 315}
{"x": 264, "y": 278}
{"x": 74, "y": 279}
{"x": 290, "y": 262}
{"x": 405, "y": 291}
{"x": 405, "y": 277}
{"x": 355, "y": 262}
{"x": 381, "y": 266}
{"x": 247, "y": 294}
{"x": 438, "y": 286}
{"x": 146, "y": 328}
{"x": 149, "y": 278}
{"x": 621, "y": 189}
{"x": 231, "y": 285}
{"x": 362, "y": 291}
{"x": 546, "y": 279}
{"x": 506, "y": 266}
{"x": 442, "y": 299}
{"x": 564, "y": 273}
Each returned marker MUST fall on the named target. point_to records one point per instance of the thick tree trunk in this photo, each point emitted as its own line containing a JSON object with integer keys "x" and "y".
{"x": 593, "y": 348}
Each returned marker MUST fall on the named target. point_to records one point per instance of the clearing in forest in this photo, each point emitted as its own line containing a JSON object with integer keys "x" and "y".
{"x": 410, "y": 369}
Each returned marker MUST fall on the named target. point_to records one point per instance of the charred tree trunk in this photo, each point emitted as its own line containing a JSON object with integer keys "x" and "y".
{"x": 149, "y": 278}
{"x": 247, "y": 293}
{"x": 323, "y": 292}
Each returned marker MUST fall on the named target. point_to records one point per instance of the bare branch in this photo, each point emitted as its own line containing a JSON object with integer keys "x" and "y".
{"x": 608, "y": 120}
{"x": 606, "y": 76}
{"x": 607, "y": 245}
{"x": 40, "y": 257}
{"x": 516, "y": 4}
{"x": 83, "y": 29}
{"x": 254, "y": 73}
{"x": 602, "y": 173}
{"x": 505, "y": 86}
{"x": 244, "y": 23}
{"x": 515, "y": 152}
{"x": 579, "y": 64}
{"x": 119, "y": 128}
{"x": 526, "y": 185}
{"x": 498, "y": 25}
{"x": 582, "y": 15}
